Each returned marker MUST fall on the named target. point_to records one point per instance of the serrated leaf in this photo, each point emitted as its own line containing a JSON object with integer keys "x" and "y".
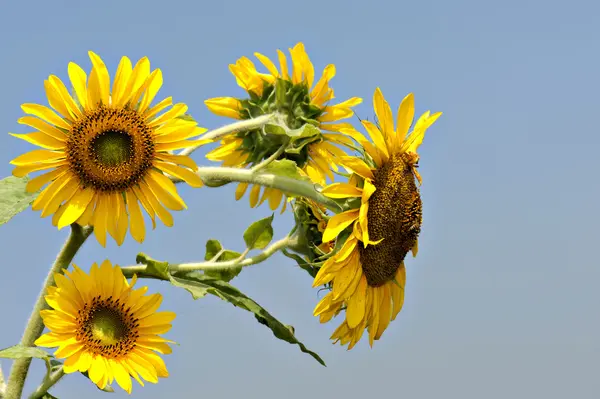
{"x": 307, "y": 130}
{"x": 213, "y": 247}
{"x": 154, "y": 268}
{"x": 199, "y": 285}
{"x": 20, "y": 352}
{"x": 284, "y": 168}
{"x": 275, "y": 129}
{"x": 302, "y": 263}
{"x": 13, "y": 197}
{"x": 259, "y": 234}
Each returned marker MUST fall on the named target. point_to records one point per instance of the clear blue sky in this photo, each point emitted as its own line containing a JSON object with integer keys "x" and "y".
{"x": 503, "y": 299}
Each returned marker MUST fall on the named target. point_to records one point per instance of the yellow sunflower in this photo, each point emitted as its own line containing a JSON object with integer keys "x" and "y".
{"x": 104, "y": 326}
{"x": 367, "y": 275}
{"x": 292, "y": 94}
{"x": 108, "y": 149}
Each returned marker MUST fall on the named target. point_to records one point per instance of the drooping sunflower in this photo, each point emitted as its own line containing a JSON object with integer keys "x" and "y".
{"x": 108, "y": 150}
{"x": 291, "y": 93}
{"x": 102, "y": 325}
{"x": 367, "y": 275}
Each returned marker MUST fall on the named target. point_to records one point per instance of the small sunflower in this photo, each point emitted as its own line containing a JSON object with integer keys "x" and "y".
{"x": 291, "y": 93}
{"x": 108, "y": 149}
{"x": 104, "y": 326}
{"x": 367, "y": 275}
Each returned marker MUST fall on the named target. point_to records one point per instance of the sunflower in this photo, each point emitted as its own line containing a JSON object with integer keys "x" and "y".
{"x": 290, "y": 93}
{"x": 104, "y": 326}
{"x": 367, "y": 274}
{"x": 107, "y": 150}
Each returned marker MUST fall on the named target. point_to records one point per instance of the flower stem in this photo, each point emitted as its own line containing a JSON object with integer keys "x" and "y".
{"x": 301, "y": 188}
{"x": 248, "y": 124}
{"x": 35, "y": 325}
{"x": 47, "y": 384}
{"x": 129, "y": 271}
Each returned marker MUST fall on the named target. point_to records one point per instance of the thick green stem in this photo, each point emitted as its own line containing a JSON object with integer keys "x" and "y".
{"x": 129, "y": 271}
{"x": 248, "y": 124}
{"x": 2, "y": 384}
{"x": 47, "y": 384}
{"x": 289, "y": 185}
{"x": 35, "y": 325}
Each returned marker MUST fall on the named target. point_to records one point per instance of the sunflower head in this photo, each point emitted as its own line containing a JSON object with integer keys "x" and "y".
{"x": 102, "y": 325}
{"x": 290, "y": 94}
{"x": 367, "y": 273}
{"x": 107, "y": 150}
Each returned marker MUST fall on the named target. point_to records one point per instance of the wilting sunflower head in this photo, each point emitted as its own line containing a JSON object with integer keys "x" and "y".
{"x": 108, "y": 150}
{"x": 290, "y": 94}
{"x": 104, "y": 326}
{"x": 367, "y": 274}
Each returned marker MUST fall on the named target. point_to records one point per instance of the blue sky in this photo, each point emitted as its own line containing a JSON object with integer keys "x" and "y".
{"x": 502, "y": 300}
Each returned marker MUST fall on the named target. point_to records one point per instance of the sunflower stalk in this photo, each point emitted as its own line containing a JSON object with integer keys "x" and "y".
{"x": 35, "y": 325}
{"x": 272, "y": 158}
{"x": 50, "y": 380}
{"x": 249, "y": 124}
{"x": 291, "y": 186}
{"x": 242, "y": 261}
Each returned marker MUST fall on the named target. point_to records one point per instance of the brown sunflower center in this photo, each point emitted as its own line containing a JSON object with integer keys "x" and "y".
{"x": 395, "y": 215}
{"x": 107, "y": 328}
{"x": 110, "y": 149}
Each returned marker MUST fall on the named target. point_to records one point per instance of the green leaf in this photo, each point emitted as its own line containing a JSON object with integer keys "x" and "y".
{"x": 307, "y": 130}
{"x": 284, "y": 168}
{"x": 154, "y": 268}
{"x": 13, "y": 197}
{"x": 275, "y": 129}
{"x": 199, "y": 285}
{"x": 302, "y": 263}
{"x": 259, "y": 234}
{"x": 214, "y": 247}
{"x": 19, "y": 352}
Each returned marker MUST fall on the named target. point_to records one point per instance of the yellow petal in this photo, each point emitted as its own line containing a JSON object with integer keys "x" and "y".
{"x": 43, "y": 127}
{"x": 406, "y": 114}
{"x": 184, "y": 174}
{"x": 268, "y": 64}
{"x": 76, "y": 206}
{"x": 121, "y": 78}
{"x": 99, "y": 219}
{"x": 283, "y": 64}
{"x": 41, "y": 140}
{"x": 384, "y": 115}
{"x": 101, "y": 80}
{"x": 385, "y": 311}
{"x": 46, "y": 114}
{"x": 38, "y": 182}
{"x": 161, "y": 212}
{"x": 140, "y": 73}
{"x": 224, "y": 106}
{"x": 78, "y": 79}
{"x": 356, "y": 304}
{"x": 341, "y": 190}
{"x": 338, "y": 223}
{"x": 378, "y": 139}
{"x": 64, "y": 94}
{"x": 357, "y": 166}
{"x": 136, "y": 226}
{"x": 150, "y": 113}
{"x": 166, "y": 194}
{"x": 154, "y": 84}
